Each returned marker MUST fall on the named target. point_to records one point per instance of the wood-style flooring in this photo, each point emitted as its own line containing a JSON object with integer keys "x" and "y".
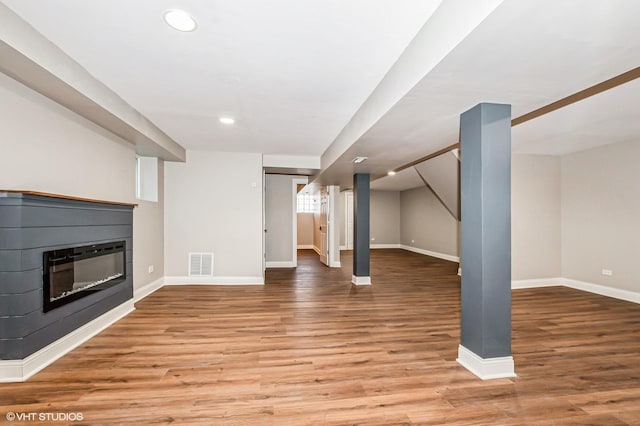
{"x": 310, "y": 348}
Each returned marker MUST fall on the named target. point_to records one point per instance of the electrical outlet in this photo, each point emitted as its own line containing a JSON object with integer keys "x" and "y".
{"x": 151, "y": 269}
{"x": 607, "y": 272}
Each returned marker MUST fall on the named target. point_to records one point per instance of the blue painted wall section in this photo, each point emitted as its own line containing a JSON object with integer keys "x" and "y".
{"x": 361, "y": 208}
{"x": 31, "y": 225}
{"x": 485, "y": 149}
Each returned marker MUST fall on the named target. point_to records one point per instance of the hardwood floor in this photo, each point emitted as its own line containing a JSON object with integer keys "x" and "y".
{"x": 309, "y": 348}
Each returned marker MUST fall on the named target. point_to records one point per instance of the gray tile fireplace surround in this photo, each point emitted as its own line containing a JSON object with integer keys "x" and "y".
{"x": 32, "y": 223}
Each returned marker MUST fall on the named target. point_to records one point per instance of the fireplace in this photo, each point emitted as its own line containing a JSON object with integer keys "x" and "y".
{"x": 75, "y": 272}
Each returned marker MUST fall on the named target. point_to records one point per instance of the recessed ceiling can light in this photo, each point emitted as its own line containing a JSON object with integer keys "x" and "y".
{"x": 391, "y": 173}
{"x": 359, "y": 160}
{"x": 227, "y": 120}
{"x": 179, "y": 20}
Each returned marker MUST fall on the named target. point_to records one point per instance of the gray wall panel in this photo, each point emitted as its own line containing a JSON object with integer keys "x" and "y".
{"x": 21, "y": 281}
{"x": 10, "y": 216}
{"x": 20, "y": 304}
{"x": 43, "y": 224}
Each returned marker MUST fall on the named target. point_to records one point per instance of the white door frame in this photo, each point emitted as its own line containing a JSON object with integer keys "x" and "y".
{"x": 348, "y": 215}
{"x": 294, "y": 215}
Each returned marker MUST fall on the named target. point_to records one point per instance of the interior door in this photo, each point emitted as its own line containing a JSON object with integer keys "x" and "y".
{"x": 324, "y": 226}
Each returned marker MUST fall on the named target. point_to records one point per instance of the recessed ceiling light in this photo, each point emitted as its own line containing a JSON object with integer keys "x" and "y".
{"x": 359, "y": 160}
{"x": 179, "y": 20}
{"x": 227, "y": 120}
{"x": 391, "y": 173}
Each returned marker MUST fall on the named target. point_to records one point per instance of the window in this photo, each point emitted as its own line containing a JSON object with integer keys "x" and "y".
{"x": 147, "y": 178}
{"x": 306, "y": 203}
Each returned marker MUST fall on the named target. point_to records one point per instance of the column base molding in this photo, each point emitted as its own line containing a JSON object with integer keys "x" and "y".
{"x": 360, "y": 280}
{"x": 486, "y": 368}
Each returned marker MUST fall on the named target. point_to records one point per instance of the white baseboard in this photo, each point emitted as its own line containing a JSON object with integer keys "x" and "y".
{"x": 360, "y": 280}
{"x": 616, "y": 293}
{"x": 21, "y": 369}
{"x": 431, "y": 253}
{"x": 343, "y": 248}
{"x": 277, "y": 264}
{"x": 335, "y": 264}
{"x": 316, "y": 249}
{"x": 305, "y": 247}
{"x": 213, "y": 280}
{"x": 486, "y": 368}
{"x": 384, "y": 246}
{"x": 147, "y": 289}
{"x": 542, "y": 282}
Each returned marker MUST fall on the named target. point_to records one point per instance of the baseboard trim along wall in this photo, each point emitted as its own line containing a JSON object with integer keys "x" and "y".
{"x": 486, "y": 368}
{"x": 278, "y": 264}
{"x": 616, "y": 293}
{"x": 335, "y": 264}
{"x": 542, "y": 282}
{"x": 305, "y": 247}
{"x": 443, "y": 256}
{"x": 213, "y": 281}
{"x": 147, "y": 289}
{"x": 385, "y": 246}
{"x": 21, "y": 369}
{"x": 316, "y": 249}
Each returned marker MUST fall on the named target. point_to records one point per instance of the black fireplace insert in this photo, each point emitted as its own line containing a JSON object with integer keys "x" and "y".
{"x": 72, "y": 273}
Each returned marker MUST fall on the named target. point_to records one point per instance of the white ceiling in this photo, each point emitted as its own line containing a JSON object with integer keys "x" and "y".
{"x": 291, "y": 72}
{"x": 527, "y": 53}
{"x": 608, "y": 117}
{"x": 401, "y": 181}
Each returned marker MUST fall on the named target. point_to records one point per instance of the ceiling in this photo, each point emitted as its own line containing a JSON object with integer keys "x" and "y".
{"x": 295, "y": 74}
{"x": 291, "y": 72}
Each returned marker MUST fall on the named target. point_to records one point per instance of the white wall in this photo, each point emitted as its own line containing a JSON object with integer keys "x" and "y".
{"x": 279, "y": 211}
{"x": 535, "y": 217}
{"x": 148, "y": 237}
{"x": 427, "y": 222}
{"x": 213, "y": 203}
{"x": 305, "y": 229}
{"x": 45, "y": 147}
{"x": 600, "y": 215}
{"x": 384, "y": 227}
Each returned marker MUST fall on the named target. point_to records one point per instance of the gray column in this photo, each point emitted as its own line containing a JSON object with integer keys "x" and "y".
{"x": 361, "y": 229}
{"x": 485, "y": 148}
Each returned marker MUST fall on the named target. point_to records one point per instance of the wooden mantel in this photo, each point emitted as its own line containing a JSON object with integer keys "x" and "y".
{"x": 66, "y": 197}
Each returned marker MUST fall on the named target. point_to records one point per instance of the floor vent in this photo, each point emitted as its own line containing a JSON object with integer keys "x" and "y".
{"x": 200, "y": 264}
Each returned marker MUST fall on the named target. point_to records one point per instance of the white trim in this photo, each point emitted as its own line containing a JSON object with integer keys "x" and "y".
{"x": 343, "y": 248}
{"x": 278, "y": 264}
{"x": 294, "y": 222}
{"x": 486, "y": 368}
{"x": 21, "y": 369}
{"x": 305, "y": 247}
{"x": 542, "y": 282}
{"x": 317, "y": 250}
{"x": 384, "y": 246}
{"x": 257, "y": 280}
{"x": 431, "y": 253}
{"x": 616, "y": 293}
{"x": 335, "y": 264}
{"x": 360, "y": 280}
{"x": 147, "y": 289}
